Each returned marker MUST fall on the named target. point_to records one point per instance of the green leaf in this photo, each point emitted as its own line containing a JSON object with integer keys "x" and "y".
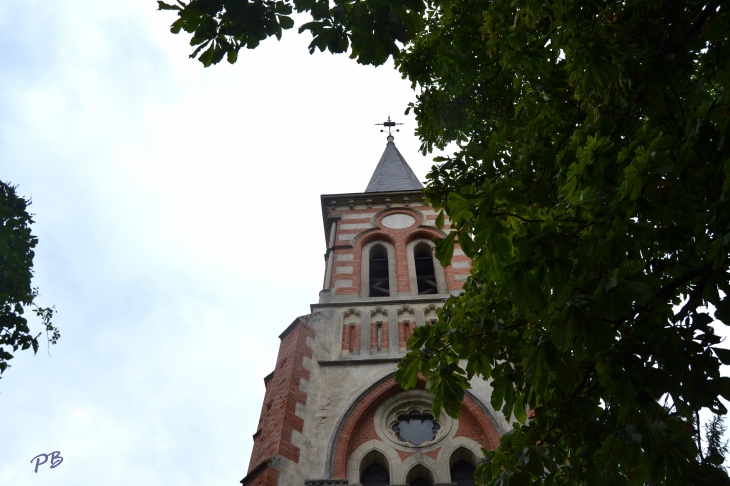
{"x": 722, "y": 310}
{"x": 633, "y": 183}
{"x": 207, "y": 57}
{"x": 498, "y": 390}
{"x": 642, "y": 289}
{"x": 519, "y": 410}
{"x": 605, "y": 457}
{"x": 166, "y": 6}
{"x": 562, "y": 333}
{"x": 408, "y": 376}
{"x": 467, "y": 244}
{"x": 722, "y": 354}
{"x": 445, "y": 248}
{"x": 440, "y": 220}
{"x": 460, "y": 207}
{"x": 286, "y": 22}
{"x": 629, "y": 268}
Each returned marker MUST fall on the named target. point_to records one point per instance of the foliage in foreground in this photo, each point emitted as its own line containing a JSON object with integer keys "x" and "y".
{"x": 16, "y": 271}
{"x": 591, "y": 188}
{"x": 592, "y": 191}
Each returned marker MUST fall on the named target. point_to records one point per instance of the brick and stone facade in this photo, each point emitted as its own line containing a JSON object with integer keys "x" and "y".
{"x": 331, "y": 402}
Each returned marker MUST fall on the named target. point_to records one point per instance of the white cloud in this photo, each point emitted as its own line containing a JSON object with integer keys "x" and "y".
{"x": 178, "y": 215}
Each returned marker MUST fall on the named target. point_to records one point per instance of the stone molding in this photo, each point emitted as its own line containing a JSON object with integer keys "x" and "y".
{"x": 367, "y": 360}
{"x": 353, "y": 463}
{"x": 402, "y": 403}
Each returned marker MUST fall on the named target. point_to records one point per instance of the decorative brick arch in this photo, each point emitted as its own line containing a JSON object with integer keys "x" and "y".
{"x": 371, "y": 235}
{"x": 424, "y": 233}
{"x": 359, "y": 243}
{"x": 427, "y": 233}
{"x": 362, "y": 407}
{"x": 356, "y": 424}
{"x": 475, "y": 424}
{"x": 399, "y": 238}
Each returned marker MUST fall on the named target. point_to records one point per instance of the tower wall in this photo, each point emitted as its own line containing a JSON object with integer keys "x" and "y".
{"x": 331, "y": 407}
{"x": 284, "y": 392}
{"x": 360, "y": 223}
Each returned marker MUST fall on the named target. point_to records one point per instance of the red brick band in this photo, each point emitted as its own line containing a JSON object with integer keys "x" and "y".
{"x": 278, "y": 418}
{"x": 359, "y": 425}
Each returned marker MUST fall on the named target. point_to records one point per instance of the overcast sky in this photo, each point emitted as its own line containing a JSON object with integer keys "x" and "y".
{"x": 177, "y": 211}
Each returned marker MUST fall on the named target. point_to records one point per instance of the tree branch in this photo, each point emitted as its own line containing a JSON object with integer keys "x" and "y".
{"x": 699, "y": 22}
{"x": 695, "y": 299}
{"x": 669, "y": 289}
{"x": 671, "y": 115}
{"x": 518, "y": 217}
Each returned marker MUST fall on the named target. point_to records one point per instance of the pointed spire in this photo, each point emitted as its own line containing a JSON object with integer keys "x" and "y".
{"x": 393, "y": 172}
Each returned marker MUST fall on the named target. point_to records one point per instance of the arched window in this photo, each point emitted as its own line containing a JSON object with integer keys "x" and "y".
{"x": 420, "y": 475}
{"x": 374, "y": 469}
{"x": 425, "y": 274}
{"x": 375, "y": 475}
{"x": 379, "y": 277}
{"x": 462, "y": 473}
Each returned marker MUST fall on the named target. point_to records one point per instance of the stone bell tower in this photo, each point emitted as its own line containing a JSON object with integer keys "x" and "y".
{"x": 332, "y": 413}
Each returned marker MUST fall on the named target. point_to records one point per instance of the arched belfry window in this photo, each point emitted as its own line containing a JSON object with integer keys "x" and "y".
{"x": 425, "y": 274}
{"x": 462, "y": 473}
{"x": 420, "y": 482}
{"x": 375, "y": 475}
{"x": 379, "y": 276}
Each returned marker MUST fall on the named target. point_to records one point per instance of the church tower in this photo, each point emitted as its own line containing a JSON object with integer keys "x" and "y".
{"x": 332, "y": 413}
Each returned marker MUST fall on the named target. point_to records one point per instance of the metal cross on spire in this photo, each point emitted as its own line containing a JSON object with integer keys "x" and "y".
{"x": 389, "y": 124}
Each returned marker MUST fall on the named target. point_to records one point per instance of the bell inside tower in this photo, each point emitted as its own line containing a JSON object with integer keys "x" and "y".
{"x": 379, "y": 284}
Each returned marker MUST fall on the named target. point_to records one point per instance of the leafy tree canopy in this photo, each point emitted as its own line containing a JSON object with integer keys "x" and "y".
{"x": 591, "y": 188}
{"x": 16, "y": 272}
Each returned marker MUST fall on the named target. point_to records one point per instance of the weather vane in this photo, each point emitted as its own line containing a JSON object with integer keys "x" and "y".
{"x": 390, "y": 124}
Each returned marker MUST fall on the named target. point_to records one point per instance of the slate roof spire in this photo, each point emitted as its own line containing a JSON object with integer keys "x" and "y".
{"x": 393, "y": 172}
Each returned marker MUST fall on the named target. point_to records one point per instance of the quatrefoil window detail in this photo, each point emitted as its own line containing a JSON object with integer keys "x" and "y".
{"x": 416, "y": 427}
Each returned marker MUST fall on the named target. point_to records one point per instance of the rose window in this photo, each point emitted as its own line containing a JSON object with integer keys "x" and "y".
{"x": 416, "y": 427}
{"x": 406, "y": 421}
